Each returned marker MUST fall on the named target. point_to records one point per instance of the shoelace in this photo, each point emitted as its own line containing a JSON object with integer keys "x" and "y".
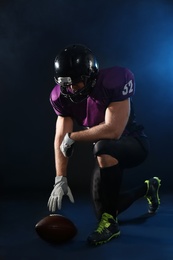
{"x": 104, "y": 223}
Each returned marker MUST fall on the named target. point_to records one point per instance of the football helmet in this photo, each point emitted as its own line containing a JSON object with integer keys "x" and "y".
{"x": 76, "y": 63}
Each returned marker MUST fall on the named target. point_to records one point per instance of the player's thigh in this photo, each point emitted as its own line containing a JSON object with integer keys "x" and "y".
{"x": 129, "y": 151}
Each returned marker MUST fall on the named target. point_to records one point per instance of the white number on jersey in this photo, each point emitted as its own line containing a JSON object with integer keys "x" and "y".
{"x": 128, "y": 88}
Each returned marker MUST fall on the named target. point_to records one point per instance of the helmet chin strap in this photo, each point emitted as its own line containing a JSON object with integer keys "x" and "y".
{"x": 75, "y": 97}
{"x": 79, "y": 101}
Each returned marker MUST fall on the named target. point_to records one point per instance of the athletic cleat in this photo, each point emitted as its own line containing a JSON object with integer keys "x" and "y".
{"x": 152, "y": 194}
{"x": 107, "y": 229}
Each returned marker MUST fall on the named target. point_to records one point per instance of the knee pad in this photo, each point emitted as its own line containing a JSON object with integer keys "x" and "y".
{"x": 101, "y": 147}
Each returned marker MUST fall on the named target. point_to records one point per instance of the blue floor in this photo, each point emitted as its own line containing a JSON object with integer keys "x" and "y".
{"x": 142, "y": 237}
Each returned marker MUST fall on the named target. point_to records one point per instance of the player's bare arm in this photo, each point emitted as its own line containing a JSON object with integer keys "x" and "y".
{"x": 116, "y": 118}
{"x": 63, "y": 125}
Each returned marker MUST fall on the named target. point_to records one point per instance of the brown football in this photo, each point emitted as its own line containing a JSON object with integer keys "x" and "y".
{"x": 56, "y": 229}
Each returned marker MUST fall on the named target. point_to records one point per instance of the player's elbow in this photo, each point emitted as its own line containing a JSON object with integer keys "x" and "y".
{"x": 115, "y": 135}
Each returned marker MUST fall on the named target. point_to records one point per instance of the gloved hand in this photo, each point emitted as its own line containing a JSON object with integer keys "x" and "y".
{"x": 66, "y": 146}
{"x": 60, "y": 189}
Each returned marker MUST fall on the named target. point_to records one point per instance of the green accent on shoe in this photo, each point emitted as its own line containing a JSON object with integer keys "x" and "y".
{"x": 152, "y": 194}
{"x": 107, "y": 229}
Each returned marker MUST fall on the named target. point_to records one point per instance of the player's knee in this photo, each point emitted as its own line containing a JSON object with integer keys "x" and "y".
{"x": 100, "y": 148}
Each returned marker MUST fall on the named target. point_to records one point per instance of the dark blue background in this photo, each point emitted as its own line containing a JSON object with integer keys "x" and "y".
{"x": 134, "y": 34}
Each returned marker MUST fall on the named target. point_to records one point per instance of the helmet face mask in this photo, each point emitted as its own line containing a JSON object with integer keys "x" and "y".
{"x": 75, "y": 96}
{"x": 75, "y": 64}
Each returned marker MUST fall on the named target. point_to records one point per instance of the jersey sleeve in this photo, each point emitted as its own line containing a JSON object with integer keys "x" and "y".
{"x": 125, "y": 86}
{"x": 55, "y": 100}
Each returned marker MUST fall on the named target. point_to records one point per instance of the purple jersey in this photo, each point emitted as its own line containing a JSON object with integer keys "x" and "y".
{"x": 112, "y": 85}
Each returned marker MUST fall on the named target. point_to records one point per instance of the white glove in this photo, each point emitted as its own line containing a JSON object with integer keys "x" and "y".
{"x": 60, "y": 189}
{"x": 66, "y": 146}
